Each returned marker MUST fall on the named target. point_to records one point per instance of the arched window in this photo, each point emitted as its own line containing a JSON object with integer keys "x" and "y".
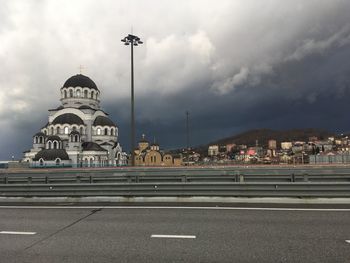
{"x": 58, "y": 130}
{"x": 78, "y": 93}
{"x": 74, "y": 128}
{"x": 65, "y": 94}
{"x": 51, "y": 130}
{"x": 71, "y": 93}
{"x": 85, "y": 93}
{"x": 81, "y": 130}
{"x": 66, "y": 130}
{"x": 55, "y": 145}
{"x": 49, "y": 145}
{"x": 58, "y": 161}
{"x": 45, "y": 132}
{"x": 98, "y": 131}
{"x": 92, "y": 94}
{"x": 35, "y": 139}
{"x": 41, "y": 139}
{"x": 76, "y": 138}
{"x": 106, "y": 131}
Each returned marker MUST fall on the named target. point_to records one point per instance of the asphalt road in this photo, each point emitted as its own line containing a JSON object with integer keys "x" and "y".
{"x": 121, "y": 234}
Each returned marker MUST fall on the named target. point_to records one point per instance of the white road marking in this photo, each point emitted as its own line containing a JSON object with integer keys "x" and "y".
{"x": 347, "y": 241}
{"x": 172, "y": 236}
{"x": 17, "y": 233}
{"x": 183, "y": 207}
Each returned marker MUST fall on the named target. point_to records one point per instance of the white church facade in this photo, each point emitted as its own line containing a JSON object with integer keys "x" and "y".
{"x": 78, "y": 133}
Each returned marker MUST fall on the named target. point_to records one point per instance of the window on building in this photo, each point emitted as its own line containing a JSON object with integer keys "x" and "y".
{"x": 41, "y": 162}
{"x": 85, "y": 93}
{"x": 76, "y": 138}
{"x": 41, "y": 139}
{"x": 49, "y": 145}
{"x": 81, "y": 130}
{"x": 66, "y": 130}
{"x": 58, "y": 161}
{"x": 65, "y": 94}
{"x": 55, "y": 145}
{"x": 71, "y": 93}
{"x": 58, "y": 130}
{"x": 106, "y": 131}
{"x": 52, "y": 130}
{"x": 98, "y": 131}
{"x": 92, "y": 94}
{"x": 78, "y": 93}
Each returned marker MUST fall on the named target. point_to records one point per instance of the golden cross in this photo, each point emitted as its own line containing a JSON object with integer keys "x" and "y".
{"x": 81, "y": 68}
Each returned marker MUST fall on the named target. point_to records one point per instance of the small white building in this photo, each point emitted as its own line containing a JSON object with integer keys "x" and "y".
{"x": 213, "y": 150}
{"x": 78, "y": 133}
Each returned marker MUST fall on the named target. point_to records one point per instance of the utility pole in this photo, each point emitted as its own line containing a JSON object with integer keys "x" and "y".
{"x": 132, "y": 41}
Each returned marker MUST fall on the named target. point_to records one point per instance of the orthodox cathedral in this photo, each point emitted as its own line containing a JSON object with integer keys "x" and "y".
{"x": 78, "y": 133}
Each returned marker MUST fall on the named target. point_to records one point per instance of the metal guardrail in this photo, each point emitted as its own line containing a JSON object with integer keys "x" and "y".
{"x": 170, "y": 178}
{"x": 301, "y": 190}
{"x": 177, "y": 182}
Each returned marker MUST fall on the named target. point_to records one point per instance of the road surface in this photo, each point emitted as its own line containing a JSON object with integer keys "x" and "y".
{"x": 174, "y": 234}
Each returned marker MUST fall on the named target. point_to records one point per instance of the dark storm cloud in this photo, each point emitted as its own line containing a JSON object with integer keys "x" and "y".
{"x": 234, "y": 66}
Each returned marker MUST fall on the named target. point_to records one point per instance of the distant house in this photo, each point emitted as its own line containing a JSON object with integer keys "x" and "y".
{"x": 272, "y": 144}
{"x": 213, "y": 150}
{"x": 286, "y": 145}
{"x": 230, "y": 147}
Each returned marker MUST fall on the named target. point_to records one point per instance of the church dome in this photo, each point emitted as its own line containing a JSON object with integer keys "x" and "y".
{"x": 80, "y": 80}
{"x": 103, "y": 121}
{"x": 68, "y": 118}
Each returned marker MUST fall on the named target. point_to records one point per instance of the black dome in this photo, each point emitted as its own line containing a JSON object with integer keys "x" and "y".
{"x": 53, "y": 138}
{"x": 85, "y": 107}
{"x": 68, "y": 118}
{"x": 39, "y": 134}
{"x": 74, "y": 132}
{"x": 80, "y": 80}
{"x": 92, "y": 146}
{"x": 103, "y": 121}
{"x": 51, "y": 154}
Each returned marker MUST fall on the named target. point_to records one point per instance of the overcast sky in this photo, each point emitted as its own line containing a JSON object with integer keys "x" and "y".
{"x": 234, "y": 65}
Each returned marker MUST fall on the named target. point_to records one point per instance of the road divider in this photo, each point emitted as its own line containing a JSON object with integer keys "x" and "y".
{"x": 16, "y": 233}
{"x": 173, "y": 236}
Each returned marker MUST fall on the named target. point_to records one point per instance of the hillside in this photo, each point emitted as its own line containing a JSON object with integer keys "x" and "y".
{"x": 263, "y": 135}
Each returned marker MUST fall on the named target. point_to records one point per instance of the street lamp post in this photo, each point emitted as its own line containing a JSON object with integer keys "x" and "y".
{"x": 188, "y": 137}
{"x": 132, "y": 41}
